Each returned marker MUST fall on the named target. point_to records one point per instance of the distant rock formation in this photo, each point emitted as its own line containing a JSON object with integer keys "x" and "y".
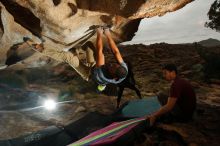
{"x": 209, "y": 42}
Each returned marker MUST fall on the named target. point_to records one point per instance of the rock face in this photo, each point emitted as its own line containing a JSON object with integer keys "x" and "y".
{"x": 64, "y": 24}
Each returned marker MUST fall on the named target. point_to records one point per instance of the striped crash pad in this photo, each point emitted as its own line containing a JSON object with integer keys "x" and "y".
{"x": 109, "y": 134}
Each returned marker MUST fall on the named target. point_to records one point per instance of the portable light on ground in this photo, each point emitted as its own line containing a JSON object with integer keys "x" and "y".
{"x": 50, "y": 104}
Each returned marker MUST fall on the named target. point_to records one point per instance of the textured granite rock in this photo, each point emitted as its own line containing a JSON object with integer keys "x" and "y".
{"x": 64, "y": 24}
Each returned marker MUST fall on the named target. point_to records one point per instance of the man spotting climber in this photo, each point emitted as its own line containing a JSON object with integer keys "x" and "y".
{"x": 103, "y": 73}
{"x": 181, "y": 103}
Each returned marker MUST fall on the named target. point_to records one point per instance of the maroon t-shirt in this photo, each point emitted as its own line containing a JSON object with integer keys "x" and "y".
{"x": 186, "y": 98}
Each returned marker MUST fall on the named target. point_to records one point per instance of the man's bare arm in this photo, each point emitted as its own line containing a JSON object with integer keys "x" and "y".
{"x": 166, "y": 108}
{"x": 113, "y": 46}
{"x": 100, "y": 59}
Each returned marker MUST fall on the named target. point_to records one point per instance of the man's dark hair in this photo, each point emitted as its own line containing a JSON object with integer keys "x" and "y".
{"x": 121, "y": 72}
{"x": 114, "y": 70}
{"x": 170, "y": 67}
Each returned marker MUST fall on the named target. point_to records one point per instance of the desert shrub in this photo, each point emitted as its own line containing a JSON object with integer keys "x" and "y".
{"x": 211, "y": 57}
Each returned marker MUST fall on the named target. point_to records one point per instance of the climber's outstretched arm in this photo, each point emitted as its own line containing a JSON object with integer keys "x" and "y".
{"x": 113, "y": 46}
{"x": 100, "y": 58}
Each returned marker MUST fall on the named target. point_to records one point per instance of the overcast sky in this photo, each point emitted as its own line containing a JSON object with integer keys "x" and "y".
{"x": 182, "y": 26}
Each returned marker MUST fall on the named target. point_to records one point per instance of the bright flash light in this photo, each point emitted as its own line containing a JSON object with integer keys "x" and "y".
{"x": 50, "y": 104}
